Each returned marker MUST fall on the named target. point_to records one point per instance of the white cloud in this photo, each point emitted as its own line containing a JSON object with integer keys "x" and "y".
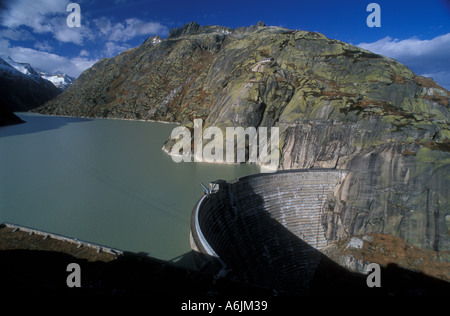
{"x": 76, "y": 35}
{"x": 84, "y": 53}
{"x": 35, "y": 14}
{"x": 16, "y": 35}
{"x": 130, "y": 28}
{"x": 112, "y": 49}
{"x": 424, "y": 57}
{"x": 103, "y": 25}
{"x": 49, "y": 16}
{"x": 46, "y": 61}
{"x": 44, "y": 21}
{"x": 43, "y": 46}
{"x": 42, "y": 16}
{"x": 82, "y": 63}
{"x": 437, "y": 47}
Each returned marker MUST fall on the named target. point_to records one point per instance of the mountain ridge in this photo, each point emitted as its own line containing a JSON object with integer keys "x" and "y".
{"x": 336, "y": 105}
{"x": 22, "y": 90}
{"x": 60, "y": 80}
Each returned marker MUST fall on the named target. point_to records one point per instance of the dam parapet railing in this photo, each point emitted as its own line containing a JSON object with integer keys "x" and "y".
{"x": 80, "y": 243}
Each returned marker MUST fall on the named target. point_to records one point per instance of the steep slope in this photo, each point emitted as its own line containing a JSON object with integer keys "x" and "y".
{"x": 157, "y": 80}
{"x": 24, "y": 68}
{"x": 337, "y": 106}
{"x": 22, "y": 91}
{"x": 59, "y": 80}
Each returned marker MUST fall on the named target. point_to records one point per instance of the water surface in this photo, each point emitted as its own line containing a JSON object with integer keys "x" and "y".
{"x": 103, "y": 181}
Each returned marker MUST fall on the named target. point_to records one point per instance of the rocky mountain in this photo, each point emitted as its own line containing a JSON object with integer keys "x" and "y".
{"x": 61, "y": 81}
{"x": 24, "y": 89}
{"x": 24, "y": 68}
{"x": 336, "y": 105}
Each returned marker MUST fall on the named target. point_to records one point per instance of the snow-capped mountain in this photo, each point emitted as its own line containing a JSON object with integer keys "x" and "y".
{"x": 24, "y": 68}
{"x": 22, "y": 88}
{"x": 60, "y": 81}
{"x": 5, "y": 67}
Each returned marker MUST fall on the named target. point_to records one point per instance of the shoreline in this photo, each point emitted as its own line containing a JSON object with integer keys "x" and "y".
{"x": 71, "y": 240}
{"x": 97, "y": 118}
{"x": 263, "y": 168}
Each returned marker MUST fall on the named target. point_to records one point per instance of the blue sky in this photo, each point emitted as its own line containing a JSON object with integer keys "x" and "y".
{"x": 416, "y": 33}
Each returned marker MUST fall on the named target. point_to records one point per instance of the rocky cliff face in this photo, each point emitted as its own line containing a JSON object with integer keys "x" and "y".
{"x": 337, "y": 106}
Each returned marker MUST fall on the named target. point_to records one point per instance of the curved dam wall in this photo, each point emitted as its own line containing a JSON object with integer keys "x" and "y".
{"x": 267, "y": 227}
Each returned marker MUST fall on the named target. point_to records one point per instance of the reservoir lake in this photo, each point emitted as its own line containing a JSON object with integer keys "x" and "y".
{"x": 103, "y": 181}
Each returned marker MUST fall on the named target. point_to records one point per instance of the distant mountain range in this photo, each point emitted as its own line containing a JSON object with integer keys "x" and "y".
{"x": 60, "y": 80}
{"x": 23, "y": 88}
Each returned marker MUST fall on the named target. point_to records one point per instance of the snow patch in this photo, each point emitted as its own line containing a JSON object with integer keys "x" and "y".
{"x": 14, "y": 68}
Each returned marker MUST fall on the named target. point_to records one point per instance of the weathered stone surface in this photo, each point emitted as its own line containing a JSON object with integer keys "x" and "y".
{"x": 388, "y": 250}
{"x": 337, "y": 106}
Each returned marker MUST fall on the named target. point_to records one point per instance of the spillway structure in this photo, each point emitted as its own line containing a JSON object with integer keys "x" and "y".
{"x": 267, "y": 228}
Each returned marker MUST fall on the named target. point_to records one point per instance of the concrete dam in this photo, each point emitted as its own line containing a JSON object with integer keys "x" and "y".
{"x": 266, "y": 228}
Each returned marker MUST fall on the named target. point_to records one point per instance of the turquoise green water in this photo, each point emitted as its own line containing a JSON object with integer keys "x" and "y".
{"x": 102, "y": 181}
